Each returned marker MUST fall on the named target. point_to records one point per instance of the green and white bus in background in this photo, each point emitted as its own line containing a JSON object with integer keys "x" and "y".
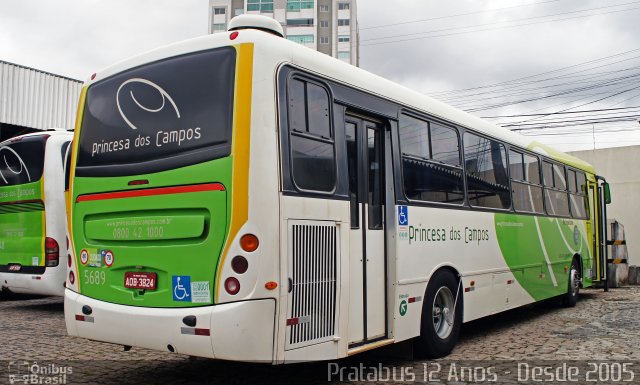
{"x": 33, "y": 217}
{"x": 241, "y": 197}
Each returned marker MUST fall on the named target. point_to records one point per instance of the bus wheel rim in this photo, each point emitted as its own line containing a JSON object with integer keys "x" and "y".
{"x": 443, "y": 313}
{"x": 575, "y": 282}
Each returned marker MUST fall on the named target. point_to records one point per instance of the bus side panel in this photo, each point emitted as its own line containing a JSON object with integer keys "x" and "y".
{"x": 543, "y": 248}
{"x": 333, "y": 213}
{"x": 468, "y": 242}
{"x": 56, "y": 213}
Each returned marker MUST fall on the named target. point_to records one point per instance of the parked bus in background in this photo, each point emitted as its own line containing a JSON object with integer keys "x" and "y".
{"x": 33, "y": 217}
{"x": 239, "y": 196}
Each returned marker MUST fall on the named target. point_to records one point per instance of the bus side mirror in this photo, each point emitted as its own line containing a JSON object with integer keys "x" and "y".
{"x": 607, "y": 194}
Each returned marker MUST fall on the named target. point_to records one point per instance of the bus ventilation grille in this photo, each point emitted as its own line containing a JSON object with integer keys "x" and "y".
{"x": 21, "y": 207}
{"x": 312, "y": 272}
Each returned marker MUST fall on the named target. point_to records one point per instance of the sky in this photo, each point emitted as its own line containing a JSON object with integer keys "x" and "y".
{"x": 553, "y": 58}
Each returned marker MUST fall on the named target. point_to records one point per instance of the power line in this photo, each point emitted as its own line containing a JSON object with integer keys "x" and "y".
{"x": 532, "y": 82}
{"x": 628, "y": 118}
{"x": 544, "y": 73}
{"x": 532, "y": 91}
{"x": 499, "y": 22}
{"x": 625, "y": 100}
{"x": 560, "y": 113}
{"x": 404, "y": 36}
{"x": 578, "y": 133}
{"x": 595, "y": 101}
{"x": 456, "y": 15}
{"x": 490, "y": 107}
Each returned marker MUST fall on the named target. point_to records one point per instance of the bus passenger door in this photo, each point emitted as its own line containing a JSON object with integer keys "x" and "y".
{"x": 367, "y": 280}
{"x": 594, "y": 230}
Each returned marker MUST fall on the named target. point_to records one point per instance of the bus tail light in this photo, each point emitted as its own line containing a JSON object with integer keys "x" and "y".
{"x": 249, "y": 242}
{"x": 239, "y": 264}
{"x": 51, "y": 252}
{"x": 232, "y": 285}
{"x": 72, "y": 278}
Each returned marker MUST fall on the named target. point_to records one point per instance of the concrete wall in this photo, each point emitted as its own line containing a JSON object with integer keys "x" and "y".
{"x": 620, "y": 166}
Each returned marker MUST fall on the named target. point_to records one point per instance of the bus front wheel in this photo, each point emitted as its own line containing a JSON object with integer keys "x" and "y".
{"x": 441, "y": 316}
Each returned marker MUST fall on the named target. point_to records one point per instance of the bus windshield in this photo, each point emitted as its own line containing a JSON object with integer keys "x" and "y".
{"x": 21, "y": 161}
{"x": 159, "y": 116}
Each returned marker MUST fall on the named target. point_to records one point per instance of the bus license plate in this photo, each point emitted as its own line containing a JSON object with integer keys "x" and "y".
{"x": 144, "y": 281}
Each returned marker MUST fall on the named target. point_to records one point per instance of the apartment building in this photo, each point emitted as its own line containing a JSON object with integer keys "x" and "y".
{"x": 328, "y": 26}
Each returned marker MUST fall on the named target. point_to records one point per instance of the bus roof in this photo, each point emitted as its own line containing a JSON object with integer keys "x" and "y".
{"x": 284, "y": 51}
{"x": 52, "y": 132}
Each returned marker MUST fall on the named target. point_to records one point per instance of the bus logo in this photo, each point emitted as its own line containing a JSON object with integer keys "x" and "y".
{"x": 9, "y": 168}
{"x": 181, "y": 285}
{"x": 163, "y": 94}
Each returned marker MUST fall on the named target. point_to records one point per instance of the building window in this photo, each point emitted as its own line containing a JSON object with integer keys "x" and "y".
{"x": 296, "y": 5}
{"x": 486, "y": 171}
{"x": 313, "y": 160}
{"x": 525, "y": 183}
{"x": 300, "y": 22}
{"x": 343, "y": 22}
{"x": 302, "y": 39}
{"x": 260, "y": 5}
{"x": 324, "y": 40}
{"x": 324, "y": 24}
{"x": 431, "y": 166}
{"x": 344, "y": 6}
{"x": 219, "y": 27}
{"x": 324, "y": 8}
{"x": 344, "y": 55}
{"x": 344, "y": 38}
{"x": 238, "y": 11}
{"x": 219, "y": 11}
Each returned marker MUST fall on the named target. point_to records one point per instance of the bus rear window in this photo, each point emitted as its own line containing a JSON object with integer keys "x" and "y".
{"x": 21, "y": 161}
{"x": 159, "y": 116}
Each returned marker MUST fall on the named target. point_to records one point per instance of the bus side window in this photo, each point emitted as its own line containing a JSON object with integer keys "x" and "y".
{"x": 486, "y": 169}
{"x": 66, "y": 163}
{"x": 313, "y": 158}
{"x": 431, "y": 169}
{"x": 578, "y": 197}
{"x": 556, "y": 198}
{"x": 525, "y": 183}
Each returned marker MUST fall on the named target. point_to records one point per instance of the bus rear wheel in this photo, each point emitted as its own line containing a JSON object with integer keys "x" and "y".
{"x": 573, "y": 290}
{"x": 441, "y": 316}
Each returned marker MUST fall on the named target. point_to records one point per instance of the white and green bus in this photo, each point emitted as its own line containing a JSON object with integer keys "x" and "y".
{"x": 241, "y": 197}
{"x": 33, "y": 217}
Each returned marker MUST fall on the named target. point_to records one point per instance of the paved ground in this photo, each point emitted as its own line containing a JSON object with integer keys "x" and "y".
{"x": 604, "y": 326}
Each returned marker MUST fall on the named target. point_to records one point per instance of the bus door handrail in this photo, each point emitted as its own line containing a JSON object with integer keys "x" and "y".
{"x": 604, "y": 238}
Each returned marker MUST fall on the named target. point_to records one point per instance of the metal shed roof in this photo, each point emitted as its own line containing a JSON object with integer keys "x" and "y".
{"x": 37, "y": 99}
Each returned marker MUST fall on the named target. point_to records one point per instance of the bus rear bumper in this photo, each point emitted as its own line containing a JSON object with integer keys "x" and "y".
{"x": 51, "y": 282}
{"x": 240, "y": 331}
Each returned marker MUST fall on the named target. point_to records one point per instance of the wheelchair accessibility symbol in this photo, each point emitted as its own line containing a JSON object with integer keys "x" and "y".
{"x": 403, "y": 216}
{"x": 181, "y": 288}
